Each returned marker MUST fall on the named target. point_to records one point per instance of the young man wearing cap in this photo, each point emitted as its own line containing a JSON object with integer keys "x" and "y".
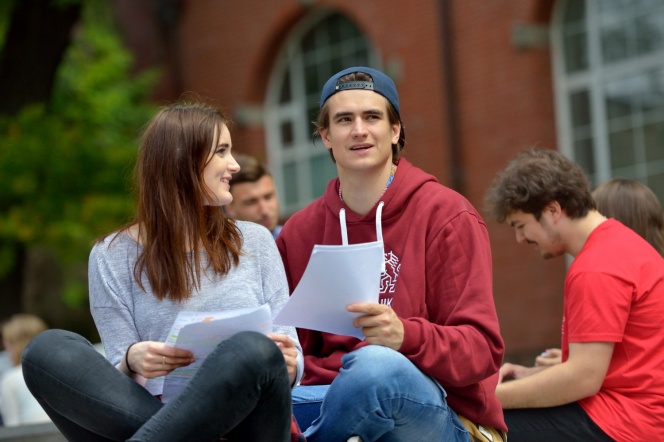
{"x": 610, "y": 384}
{"x": 428, "y": 366}
{"x": 254, "y": 195}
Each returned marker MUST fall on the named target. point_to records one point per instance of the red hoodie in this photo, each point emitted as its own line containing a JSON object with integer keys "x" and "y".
{"x": 437, "y": 280}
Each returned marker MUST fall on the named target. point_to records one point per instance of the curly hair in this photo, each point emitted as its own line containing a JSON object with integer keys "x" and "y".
{"x": 535, "y": 178}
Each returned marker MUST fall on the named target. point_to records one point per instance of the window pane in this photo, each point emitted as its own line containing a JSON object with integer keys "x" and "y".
{"x": 656, "y": 183}
{"x": 649, "y": 29}
{"x": 323, "y": 170}
{"x": 621, "y": 146}
{"x": 286, "y": 130}
{"x": 583, "y": 154}
{"x": 290, "y": 183}
{"x": 618, "y": 100}
{"x": 576, "y": 53}
{"x": 614, "y": 43}
{"x": 580, "y": 108}
{"x": 285, "y": 93}
{"x": 654, "y": 141}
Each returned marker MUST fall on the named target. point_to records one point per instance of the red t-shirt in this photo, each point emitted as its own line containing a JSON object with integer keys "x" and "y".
{"x": 614, "y": 292}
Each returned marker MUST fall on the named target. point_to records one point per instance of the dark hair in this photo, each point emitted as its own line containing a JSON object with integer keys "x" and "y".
{"x": 635, "y": 205}
{"x": 535, "y": 178}
{"x": 323, "y": 120}
{"x": 251, "y": 170}
{"x": 174, "y": 224}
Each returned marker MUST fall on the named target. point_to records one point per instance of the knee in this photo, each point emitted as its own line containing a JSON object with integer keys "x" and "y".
{"x": 374, "y": 364}
{"x": 258, "y": 350}
{"x": 51, "y": 344}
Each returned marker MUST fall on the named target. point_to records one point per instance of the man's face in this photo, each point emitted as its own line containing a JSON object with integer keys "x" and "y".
{"x": 256, "y": 202}
{"x": 359, "y": 133}
{"x": 541, "y": 234}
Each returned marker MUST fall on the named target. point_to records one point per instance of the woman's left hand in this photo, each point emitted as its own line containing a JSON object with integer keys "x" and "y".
{"x": 288, "y": 349}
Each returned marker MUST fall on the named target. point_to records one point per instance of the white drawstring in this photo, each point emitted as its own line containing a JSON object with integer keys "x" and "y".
{"x": 344, "y": 232}
{"x": 379, "y": 233}
{"x": 379, "y": 229}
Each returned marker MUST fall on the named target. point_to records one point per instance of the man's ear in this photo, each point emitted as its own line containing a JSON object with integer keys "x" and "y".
{"x": 325, "y": 136}
{"x": 554, "y": 210}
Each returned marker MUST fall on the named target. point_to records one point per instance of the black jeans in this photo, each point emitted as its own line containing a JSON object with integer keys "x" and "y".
{"x": 240, "y": 392}
{"x": 568, "y": 423}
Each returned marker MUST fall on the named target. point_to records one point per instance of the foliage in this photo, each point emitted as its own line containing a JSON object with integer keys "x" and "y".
{"x": 65, "y": 166}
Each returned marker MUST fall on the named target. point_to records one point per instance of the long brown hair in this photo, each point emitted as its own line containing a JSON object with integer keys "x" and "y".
{"x": 174, "y": 224}
{"x": 635, "y": 205}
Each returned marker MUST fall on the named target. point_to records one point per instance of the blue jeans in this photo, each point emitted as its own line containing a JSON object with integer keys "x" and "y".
{"x": 380, "y": 395}
{"x": 241, "y": 391}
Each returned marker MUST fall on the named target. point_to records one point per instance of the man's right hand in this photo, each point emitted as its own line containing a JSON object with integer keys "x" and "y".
{"x": 511, "y": 372}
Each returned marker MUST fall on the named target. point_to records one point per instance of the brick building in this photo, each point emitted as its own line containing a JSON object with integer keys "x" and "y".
{"x": 478, "y": 82}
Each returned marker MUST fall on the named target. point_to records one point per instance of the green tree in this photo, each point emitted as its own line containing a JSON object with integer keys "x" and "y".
{"x": 65, "y": 164}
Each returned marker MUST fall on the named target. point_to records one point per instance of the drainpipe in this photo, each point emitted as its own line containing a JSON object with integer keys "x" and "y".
{"x": 457, "y": 172}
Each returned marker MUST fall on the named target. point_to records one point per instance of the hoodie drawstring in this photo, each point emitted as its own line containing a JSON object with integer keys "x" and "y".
{"x": 379, "y": 229}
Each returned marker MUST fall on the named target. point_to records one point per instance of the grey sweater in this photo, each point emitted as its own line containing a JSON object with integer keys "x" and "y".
{"x": 123, "y": 313}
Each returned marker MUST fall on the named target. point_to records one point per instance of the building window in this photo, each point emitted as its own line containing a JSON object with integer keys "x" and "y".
{"x": 319, "y": 46}
{"x": 609, "y": 76}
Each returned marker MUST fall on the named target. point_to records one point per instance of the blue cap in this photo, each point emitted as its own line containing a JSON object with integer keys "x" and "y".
{"x": 382, "y": 84}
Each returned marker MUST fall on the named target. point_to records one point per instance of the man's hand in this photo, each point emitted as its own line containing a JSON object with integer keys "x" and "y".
{"x": 511, "y": 372}
{"x": 551, "y": 356}
{"x": 288, "y": 349}
{"x": 379, "y": 324}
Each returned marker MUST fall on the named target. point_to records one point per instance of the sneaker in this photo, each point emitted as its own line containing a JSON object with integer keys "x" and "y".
{"x": 354, "y": 439}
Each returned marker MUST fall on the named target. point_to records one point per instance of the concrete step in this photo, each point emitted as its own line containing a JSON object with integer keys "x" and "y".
{"x": 32, "y": 433}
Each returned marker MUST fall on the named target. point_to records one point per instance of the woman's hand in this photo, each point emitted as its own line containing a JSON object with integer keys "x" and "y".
{"x": 288, "y": 349}
{"x": 152, "y": 359}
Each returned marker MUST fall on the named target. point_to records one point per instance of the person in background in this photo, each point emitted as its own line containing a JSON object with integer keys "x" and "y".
{"x": 428, "y": 366}
{"x": 255, "y": 197}
{"x": 180, "y": 253}
{"x": 610, "y": 384}
{"x": 17, "y": 405}
{"x": 635, "y": 205}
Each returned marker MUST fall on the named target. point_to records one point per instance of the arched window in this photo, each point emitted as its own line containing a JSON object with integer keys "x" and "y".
{"x": 319, "y": 46}
{"x": 609, "y": 77}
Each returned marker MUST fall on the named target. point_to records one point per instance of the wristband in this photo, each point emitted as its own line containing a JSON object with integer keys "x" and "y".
{"x": 127, "y": 359}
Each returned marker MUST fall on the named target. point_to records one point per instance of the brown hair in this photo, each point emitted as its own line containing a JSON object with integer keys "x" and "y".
{"x": 18, "y": 331}
{"x": 635, "y": 205}
{"x": 535, "y": 178}
{"x": 323, "y": 120}
{"x": 251, "y": 170}
{"x": 174, "y": 224}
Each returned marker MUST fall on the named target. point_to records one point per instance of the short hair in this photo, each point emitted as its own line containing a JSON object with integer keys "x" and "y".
{"x": 251, "y": 170}
{"x": 19, "y": 330}
{"x": 635, "y": 205}
{"x": 535, "y": 178}
{"x": 323, "y": 120}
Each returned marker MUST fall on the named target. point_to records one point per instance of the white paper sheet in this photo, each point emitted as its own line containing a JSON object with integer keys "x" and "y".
{"x": 200, "y": 332}
{"x": 335, "y": 277}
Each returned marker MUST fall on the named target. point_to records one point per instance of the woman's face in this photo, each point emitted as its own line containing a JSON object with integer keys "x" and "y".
{"x": 220, "y": 167}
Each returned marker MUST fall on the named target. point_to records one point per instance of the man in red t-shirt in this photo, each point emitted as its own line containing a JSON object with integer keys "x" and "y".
{"x": 610, "y": 384}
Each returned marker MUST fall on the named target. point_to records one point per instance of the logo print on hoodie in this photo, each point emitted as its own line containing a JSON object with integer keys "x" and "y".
{"x": 388, "y": 279}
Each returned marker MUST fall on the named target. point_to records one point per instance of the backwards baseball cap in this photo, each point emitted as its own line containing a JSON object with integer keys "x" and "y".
{"x": 382, "y": 84}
